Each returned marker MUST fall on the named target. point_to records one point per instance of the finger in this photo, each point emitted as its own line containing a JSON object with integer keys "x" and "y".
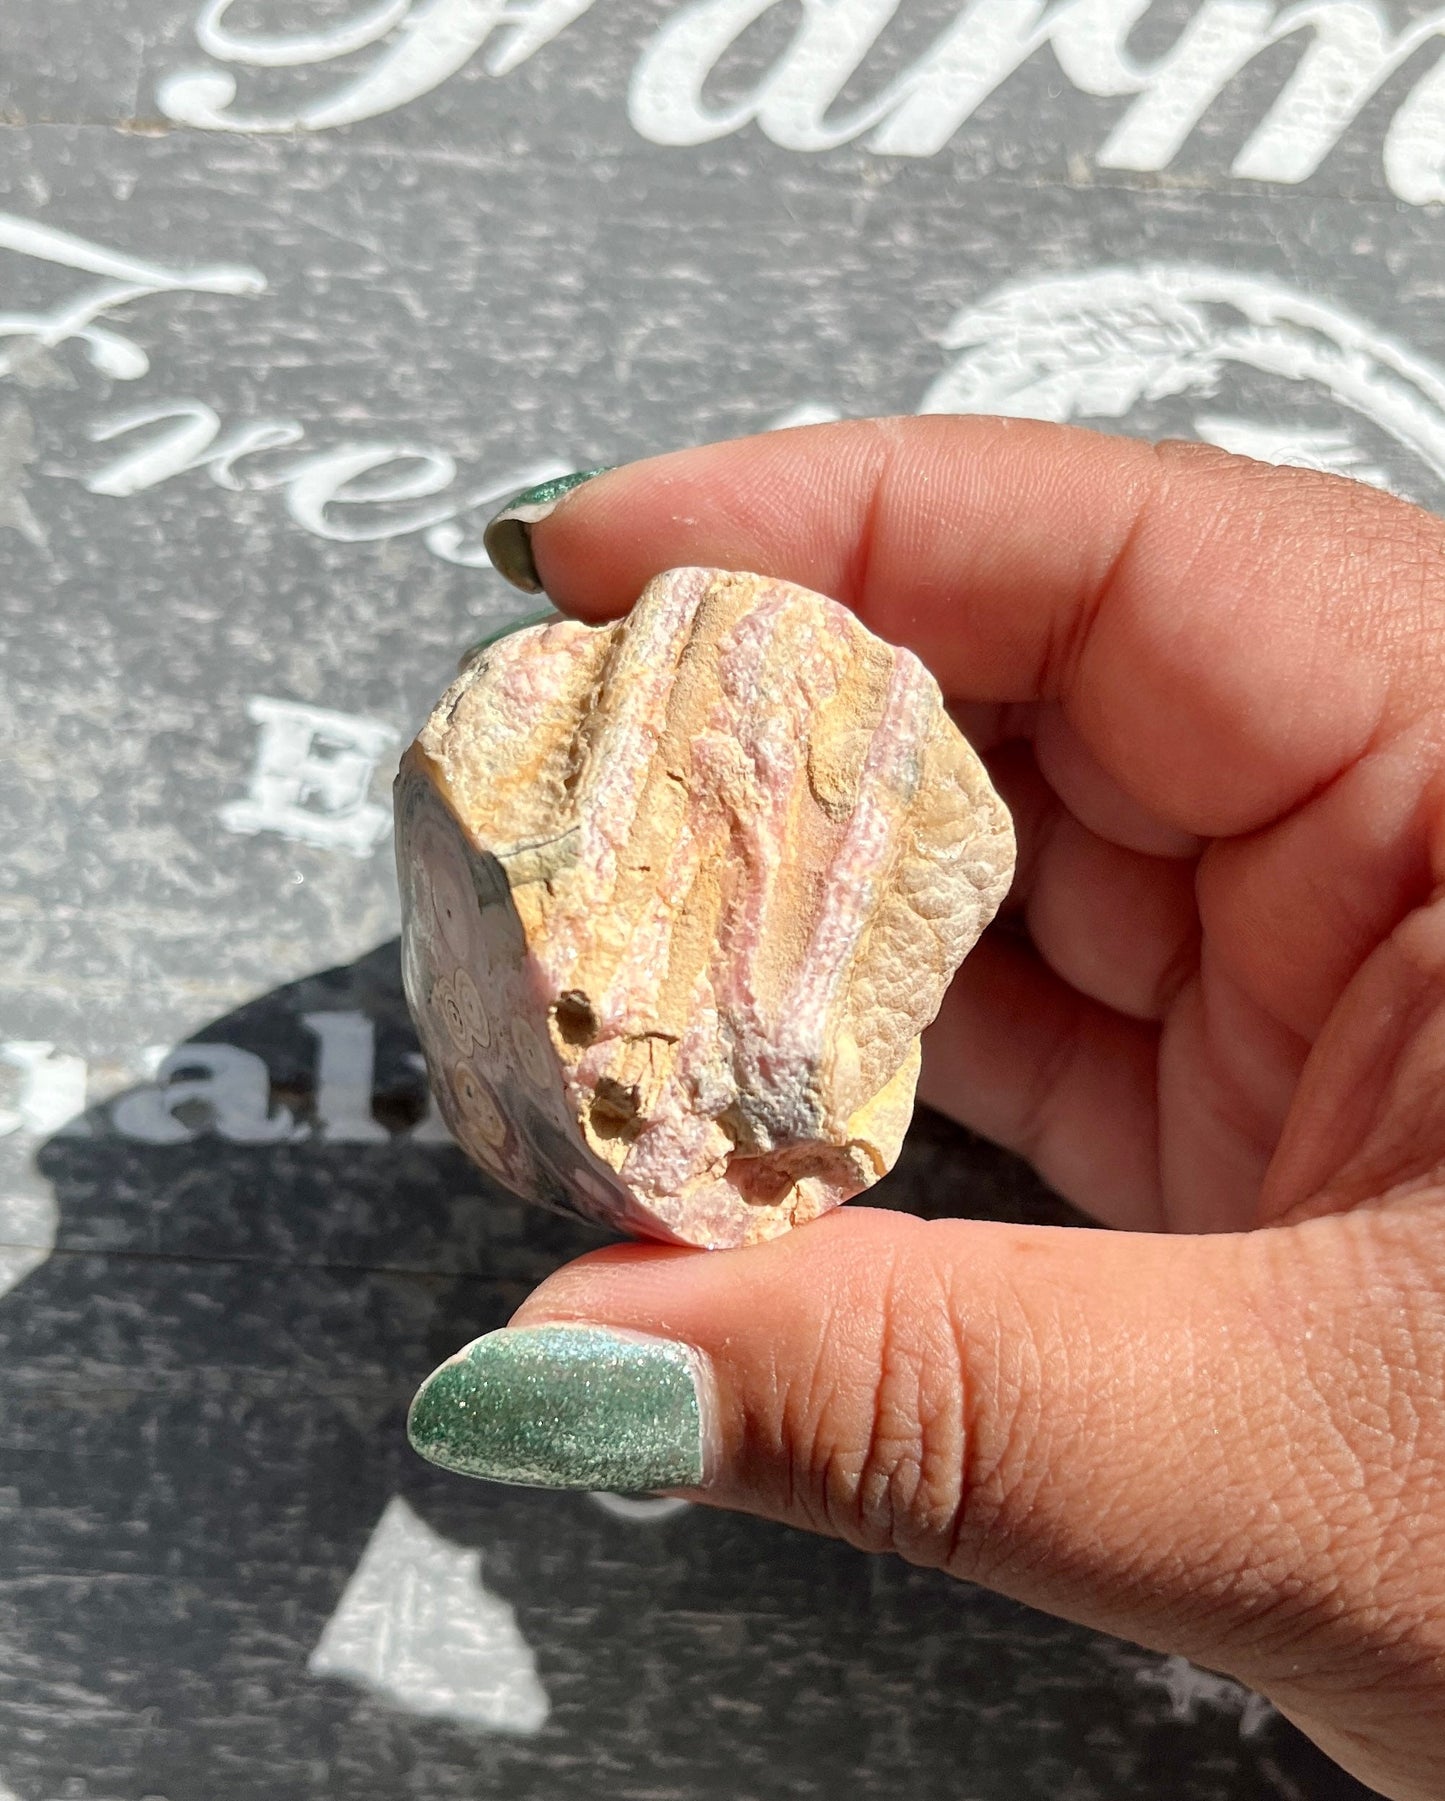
{"x": 1241, "y": 650}
{"x": 1227, "y": 1073}
{"x": 1370, "y": 1114}
{"x": 1294, "y": 912}
{"x": 1022, "y": 1058}
{"x": 1120, "y": 927}
{"x": 1174, "y": 1440}
{"x": 1224, "y": 636}
{"x": 1094, "y": 797}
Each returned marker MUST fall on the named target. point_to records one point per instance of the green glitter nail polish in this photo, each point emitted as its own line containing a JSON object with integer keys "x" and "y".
{"x": 565, "y": 1407}
{"x": 543, "y": 616}
{"x": 507, "y": 539}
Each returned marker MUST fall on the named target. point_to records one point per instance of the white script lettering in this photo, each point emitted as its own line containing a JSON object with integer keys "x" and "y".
{"x": 314, "y": 485}
{"x": 1352, "y": 53}
{"x": 125, "y": 278}
{"x": 1353, "y": 50}
{"x": 221, "y": 1088}
{"x": 52, "y": 1087}
{"x": 345, "y": 1072}
{"x": 190, "y": 444}
{"x": 322, "y": 489}
{"x": 311, "y": 777}
{"x": 426, "y": 44}
{"x": 176, "y": 1094}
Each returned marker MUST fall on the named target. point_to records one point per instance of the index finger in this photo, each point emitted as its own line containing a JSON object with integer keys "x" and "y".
{"x": 1227, "y": 637}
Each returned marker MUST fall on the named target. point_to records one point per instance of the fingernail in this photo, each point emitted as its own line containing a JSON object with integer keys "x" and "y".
{"x": 540, "y": 617}
{"x": 566, "y": 1407}
{"x": 507, "y": 539}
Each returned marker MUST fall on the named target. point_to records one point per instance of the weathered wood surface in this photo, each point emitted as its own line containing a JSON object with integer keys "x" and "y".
{"x": 222, "y": 1572}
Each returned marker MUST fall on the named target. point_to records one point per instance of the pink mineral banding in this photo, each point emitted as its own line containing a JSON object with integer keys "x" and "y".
{"x": 679, "y": 895}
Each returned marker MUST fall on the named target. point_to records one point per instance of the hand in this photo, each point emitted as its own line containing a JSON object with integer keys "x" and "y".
{"x": 1213, "y": 693}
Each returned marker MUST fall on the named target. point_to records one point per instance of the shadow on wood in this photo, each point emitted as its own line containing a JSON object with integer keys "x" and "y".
{"x": 227, "y": 1574}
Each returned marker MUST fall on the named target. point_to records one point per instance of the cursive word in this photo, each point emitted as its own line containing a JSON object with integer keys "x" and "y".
{"x": 422, "y": 43}
{"x": 1089, "y": 345}
{"x": 1349, "y": 50}
{"x": 355, "y": 492}
{"x": 214, "y": 1089}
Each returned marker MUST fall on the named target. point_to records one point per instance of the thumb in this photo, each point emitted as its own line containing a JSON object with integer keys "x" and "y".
{"x": 1176, "y": 1440}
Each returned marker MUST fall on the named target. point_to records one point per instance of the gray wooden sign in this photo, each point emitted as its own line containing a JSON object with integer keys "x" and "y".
{"x": 290, "y": 292}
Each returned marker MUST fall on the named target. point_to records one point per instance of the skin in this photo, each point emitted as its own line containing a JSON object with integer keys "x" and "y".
{"x": 1213, "y": 692}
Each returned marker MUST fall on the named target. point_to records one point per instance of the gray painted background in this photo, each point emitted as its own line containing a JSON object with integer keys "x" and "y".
{"x": 231, "y": 1238}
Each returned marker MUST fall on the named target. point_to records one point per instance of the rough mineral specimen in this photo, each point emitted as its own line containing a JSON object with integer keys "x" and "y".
{"x": 680, "y": 893}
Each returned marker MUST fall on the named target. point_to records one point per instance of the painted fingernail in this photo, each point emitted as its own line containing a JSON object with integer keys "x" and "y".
{"x": 566, "y": 1407}
{"x": 540, "y": 616}
{"x": 507, "y": 539}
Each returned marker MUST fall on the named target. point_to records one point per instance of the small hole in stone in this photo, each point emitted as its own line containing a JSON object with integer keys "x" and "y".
{"x": 613, "y": 1115}
{"x": 576, "y": 1020}
{"x": 614, "y": 1098}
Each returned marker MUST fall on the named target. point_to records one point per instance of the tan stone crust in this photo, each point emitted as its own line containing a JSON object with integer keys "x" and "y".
{"x": 679, "y": 895}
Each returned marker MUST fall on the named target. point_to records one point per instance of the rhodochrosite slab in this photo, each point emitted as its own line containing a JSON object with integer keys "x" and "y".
{"x": 680, "y": 893}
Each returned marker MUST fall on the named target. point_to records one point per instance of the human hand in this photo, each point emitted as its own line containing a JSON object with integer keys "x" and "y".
{"x": 1213, "y": 693}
